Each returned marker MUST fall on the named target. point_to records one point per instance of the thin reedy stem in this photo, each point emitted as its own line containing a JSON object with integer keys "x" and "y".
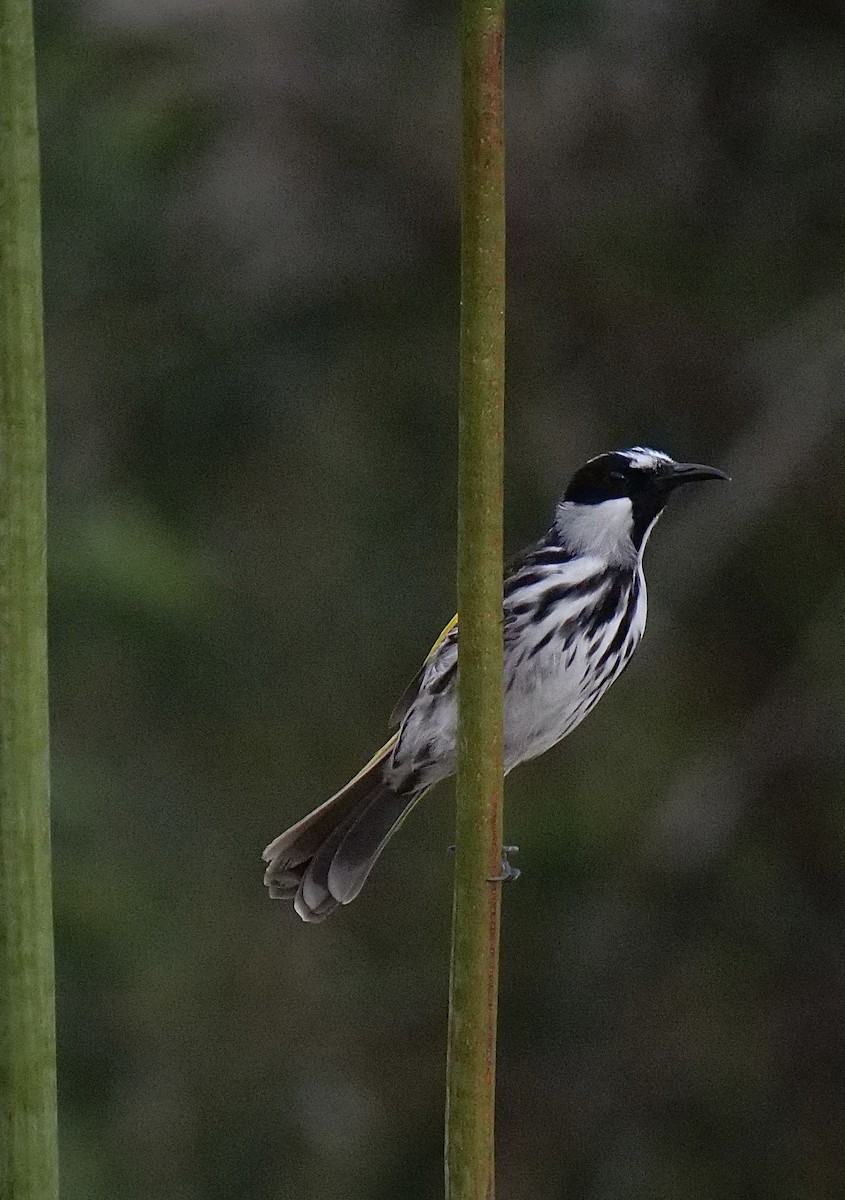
{"x": 475, "y": 928}
{"x": 28, "y": 1141}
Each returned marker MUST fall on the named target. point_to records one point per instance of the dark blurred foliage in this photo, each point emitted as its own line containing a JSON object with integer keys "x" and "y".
{"x": 251, "y": 283}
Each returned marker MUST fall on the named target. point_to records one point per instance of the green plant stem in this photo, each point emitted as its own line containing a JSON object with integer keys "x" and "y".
{"x": 475, "y": 930}
{"x": 28, "y": 1142}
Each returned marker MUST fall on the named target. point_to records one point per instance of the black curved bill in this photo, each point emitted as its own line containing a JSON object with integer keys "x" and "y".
{"x": 680, "y": 473}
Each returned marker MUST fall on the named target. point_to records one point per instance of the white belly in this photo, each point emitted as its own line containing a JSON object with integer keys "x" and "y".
{"x": 546, "y": 695}
{"x": 552, "y": 693}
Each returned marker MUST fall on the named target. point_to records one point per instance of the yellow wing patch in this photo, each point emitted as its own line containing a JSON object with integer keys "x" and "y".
{"x": 441, "y": 639}
{"x": 410, "y": 693}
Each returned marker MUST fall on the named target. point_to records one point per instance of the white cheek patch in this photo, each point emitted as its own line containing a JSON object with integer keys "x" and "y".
{"x": 603, "y": 530}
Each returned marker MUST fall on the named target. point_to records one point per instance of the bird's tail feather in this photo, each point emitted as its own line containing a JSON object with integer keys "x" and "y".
{"x": 365, "y": 838}
{"x": 324, "y": 860}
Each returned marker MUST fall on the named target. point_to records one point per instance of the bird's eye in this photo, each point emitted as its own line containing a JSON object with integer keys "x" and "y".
{"x": 617, "y": 476}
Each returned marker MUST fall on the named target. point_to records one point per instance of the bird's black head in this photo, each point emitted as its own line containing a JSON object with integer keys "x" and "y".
{"x": 645, "y": 477}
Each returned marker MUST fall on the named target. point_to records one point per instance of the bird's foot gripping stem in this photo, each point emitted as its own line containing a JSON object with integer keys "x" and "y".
{"x": 509, "y": 871}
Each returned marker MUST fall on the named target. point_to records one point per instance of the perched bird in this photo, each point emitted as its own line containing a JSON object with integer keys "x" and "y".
{"x": 574, "y": 612}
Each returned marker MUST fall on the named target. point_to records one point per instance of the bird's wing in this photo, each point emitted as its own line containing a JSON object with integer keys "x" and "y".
{"x": 511, "y": 567}
{"x": 411, "y": 692}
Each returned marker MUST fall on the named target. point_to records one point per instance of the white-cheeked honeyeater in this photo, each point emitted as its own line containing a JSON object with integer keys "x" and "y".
{"x": 574, "y": 612}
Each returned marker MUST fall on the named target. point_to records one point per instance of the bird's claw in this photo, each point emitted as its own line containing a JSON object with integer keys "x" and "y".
{"x": 509, "y": 871}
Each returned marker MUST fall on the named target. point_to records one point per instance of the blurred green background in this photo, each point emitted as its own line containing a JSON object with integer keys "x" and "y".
{"x": 251, "y": 288}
